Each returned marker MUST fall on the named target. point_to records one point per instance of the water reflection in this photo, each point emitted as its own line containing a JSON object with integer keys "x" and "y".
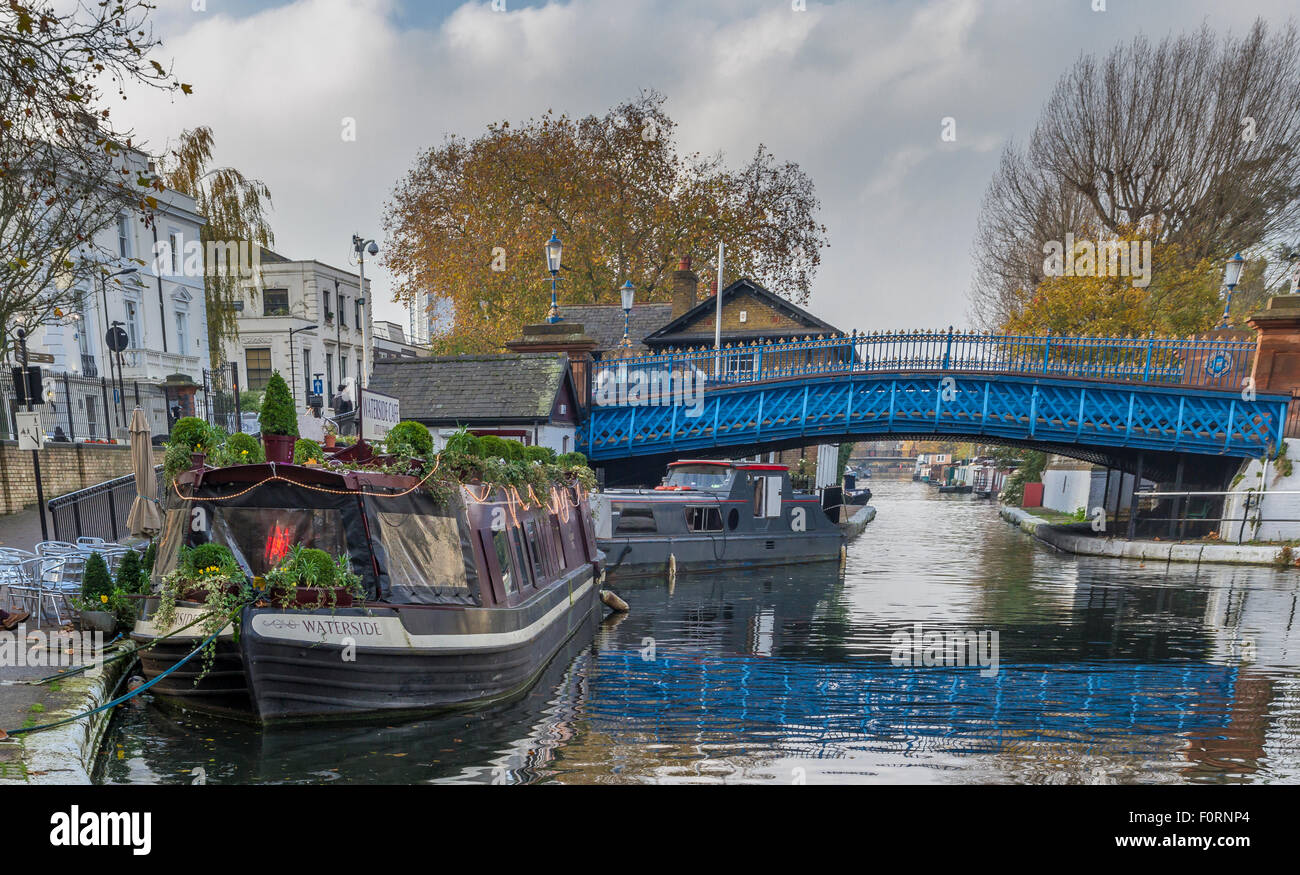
{"x": 1110, "y": 672}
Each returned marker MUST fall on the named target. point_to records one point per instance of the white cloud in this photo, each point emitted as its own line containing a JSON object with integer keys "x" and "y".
{"x": 852, "y": 91}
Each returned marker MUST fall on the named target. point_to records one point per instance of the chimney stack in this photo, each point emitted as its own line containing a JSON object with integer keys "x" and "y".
{"x": 685, "y": 283}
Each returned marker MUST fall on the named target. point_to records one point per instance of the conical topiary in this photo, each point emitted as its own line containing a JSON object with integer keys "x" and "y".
{"x": 96, "y": 582}
{"x": 278, "y": 414}
{"x": 128, "y": 572}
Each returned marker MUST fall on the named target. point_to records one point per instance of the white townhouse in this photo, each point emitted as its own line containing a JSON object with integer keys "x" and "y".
{"x": 295, "y": 296}
{"x": 161, "y": 307}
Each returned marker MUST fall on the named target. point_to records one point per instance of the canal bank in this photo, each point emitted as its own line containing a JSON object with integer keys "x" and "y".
{"x": 62, "y": 754}
{"x": 1078, "y": 538}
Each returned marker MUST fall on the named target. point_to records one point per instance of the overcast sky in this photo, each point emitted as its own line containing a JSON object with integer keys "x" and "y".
{"x": 855, "y": 92}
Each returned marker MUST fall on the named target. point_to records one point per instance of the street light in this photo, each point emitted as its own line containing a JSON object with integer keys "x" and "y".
{"x": 628, "y": 292}
{"x": 361, "y": 247}
{"x": 293, "y": 379}
{"x": 103, "y": 291}
{"x": 1231, "y": 276}
{"x": 553, "y": 249}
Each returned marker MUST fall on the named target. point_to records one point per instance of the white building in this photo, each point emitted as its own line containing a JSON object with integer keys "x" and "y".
{"x": 161, "y": 307}
{"x": 294, "y": 296}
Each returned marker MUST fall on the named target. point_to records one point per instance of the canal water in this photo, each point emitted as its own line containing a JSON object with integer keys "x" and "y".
{"x": 1107, "y": 672}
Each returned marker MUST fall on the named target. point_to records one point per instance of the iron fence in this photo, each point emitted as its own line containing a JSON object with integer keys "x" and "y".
{"x": 1212, "y": 362}
{"x": 79, "y": 408}
{"x": 99, "y": 511}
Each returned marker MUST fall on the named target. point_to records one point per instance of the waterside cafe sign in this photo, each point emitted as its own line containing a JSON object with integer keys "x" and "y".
{"x": 379, "y": 413}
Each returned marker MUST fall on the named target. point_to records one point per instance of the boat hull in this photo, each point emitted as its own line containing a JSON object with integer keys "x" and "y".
{"x": 650, "y": 556}
{"x": 354, "y": 663}
{"x": 223, "y": 689}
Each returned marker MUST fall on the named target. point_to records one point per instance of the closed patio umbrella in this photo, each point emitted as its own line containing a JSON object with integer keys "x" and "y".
{"x": 145, "y": 519}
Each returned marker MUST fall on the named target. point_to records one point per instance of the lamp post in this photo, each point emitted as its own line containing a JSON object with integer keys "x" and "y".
{"x": 293, "y": 379}
{"x": 628, "y": 292}
{"x": 362, "y": 247}
{"x": 1231, "y": 276}
{"x": 103, "y": 321}
{"x": 553, "y": 249}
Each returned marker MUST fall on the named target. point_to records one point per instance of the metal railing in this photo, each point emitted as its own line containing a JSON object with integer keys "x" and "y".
{"x": 99, "y": 511}
{"x": 1202, "y": 362}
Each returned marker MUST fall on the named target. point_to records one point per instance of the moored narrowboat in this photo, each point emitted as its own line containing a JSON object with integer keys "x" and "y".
{"x": 710, "y": 515}
{"x": 456, "y": 597}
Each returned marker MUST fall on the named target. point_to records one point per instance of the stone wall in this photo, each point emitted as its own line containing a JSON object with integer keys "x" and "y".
{"x": 64, "y": 468}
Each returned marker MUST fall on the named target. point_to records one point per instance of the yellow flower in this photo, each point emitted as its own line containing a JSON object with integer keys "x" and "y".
{"x": 243, "y": 452}
{"x": 104, "y": 599}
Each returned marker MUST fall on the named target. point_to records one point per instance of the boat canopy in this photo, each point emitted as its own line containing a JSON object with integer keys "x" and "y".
{"x": 423, "y": 550}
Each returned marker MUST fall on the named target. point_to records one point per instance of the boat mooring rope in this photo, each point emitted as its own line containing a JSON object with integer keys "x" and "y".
{"x": 132, "y": 694}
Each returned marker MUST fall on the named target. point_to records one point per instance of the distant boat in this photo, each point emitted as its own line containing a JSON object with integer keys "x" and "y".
{"x": 711, "y": 515}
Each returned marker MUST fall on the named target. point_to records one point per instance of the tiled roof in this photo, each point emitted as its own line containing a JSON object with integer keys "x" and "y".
{"x": 506, "y": 387}
{"x": 604, "y": 323}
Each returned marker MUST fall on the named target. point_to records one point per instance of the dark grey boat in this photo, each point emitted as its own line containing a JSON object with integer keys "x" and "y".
{"x": 467, "y": 599}
{"x": 711, "y": 515}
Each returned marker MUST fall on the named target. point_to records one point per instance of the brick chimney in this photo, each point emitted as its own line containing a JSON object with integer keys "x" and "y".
{"x": 685, "y": 283}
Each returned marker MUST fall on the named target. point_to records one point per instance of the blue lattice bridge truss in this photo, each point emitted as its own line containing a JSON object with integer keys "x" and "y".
{"x": 1097, "y": 398}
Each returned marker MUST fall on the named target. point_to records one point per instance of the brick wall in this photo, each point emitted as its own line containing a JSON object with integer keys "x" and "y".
{"x": 64, "y": 469}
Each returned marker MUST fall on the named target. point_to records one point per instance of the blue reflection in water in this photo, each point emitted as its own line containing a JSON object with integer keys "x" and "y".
{"x": 826, "y": 705}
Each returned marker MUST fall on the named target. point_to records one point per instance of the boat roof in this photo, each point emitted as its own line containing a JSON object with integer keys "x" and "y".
{"x": 728, "y": 463}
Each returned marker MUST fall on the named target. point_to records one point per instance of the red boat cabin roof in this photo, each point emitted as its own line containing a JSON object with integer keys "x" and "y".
{"x": 727, "y": 463}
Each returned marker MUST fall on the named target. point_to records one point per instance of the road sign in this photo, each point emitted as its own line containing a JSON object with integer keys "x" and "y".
{"x": 42, "y": 358}
{"x": 30, "y": 434}
{"x": 317, "y": 387}
{"x": 379, "y": 413}
{"x": 116, "y": 338}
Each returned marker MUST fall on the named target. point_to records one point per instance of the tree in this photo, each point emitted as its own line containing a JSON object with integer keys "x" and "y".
{"x": 468, "y": 222}
{"x": 1194, "y": 142}
{"x": 66, "y": 172}
{"x": 235, "y": 208}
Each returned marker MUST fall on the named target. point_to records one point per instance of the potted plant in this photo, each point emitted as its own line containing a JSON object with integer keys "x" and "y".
{"x": 307, "y": 577}
{"x": 331, "y": 435}
{"x": 96, "y": 599}
{"x": 279, "y": 421}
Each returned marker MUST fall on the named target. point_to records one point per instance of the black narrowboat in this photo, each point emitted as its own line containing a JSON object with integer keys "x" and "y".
{"x": 467, "y": 596}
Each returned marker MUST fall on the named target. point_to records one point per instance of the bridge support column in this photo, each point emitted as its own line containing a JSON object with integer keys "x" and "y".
{"x": 1133, "y": 498}
{"x": 1175, "y": 524}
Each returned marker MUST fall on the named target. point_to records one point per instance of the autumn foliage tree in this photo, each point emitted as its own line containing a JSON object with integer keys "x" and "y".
{"x": 468, "y": 222}
{"x": 65, "y": 176}
{"x": 1194, "y": 141}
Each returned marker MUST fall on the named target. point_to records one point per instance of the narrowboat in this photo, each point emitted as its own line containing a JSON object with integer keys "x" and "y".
{"x": 464, "y": 596}
{"x": 710, "y": 515}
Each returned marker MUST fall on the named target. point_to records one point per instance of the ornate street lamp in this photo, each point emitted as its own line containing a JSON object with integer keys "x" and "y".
{"x": 628, "y": 292}
{"x": 553, "y": 250}
{"x": 1231, "y": 276}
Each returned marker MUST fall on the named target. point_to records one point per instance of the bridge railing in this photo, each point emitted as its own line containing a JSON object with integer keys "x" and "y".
{"x": 1199, "y": 361}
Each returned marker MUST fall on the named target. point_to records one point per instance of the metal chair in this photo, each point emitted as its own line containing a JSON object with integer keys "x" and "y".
{"x": 90, "y": 542}
{"x": 36, "y": 575}
{"x": 55, "y": 548}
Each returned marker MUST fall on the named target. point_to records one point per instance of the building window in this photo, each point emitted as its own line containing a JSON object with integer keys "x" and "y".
{"x": 343, "y": 365}
{"x": 329, "y": 375}
{"x": 132, "y": 324}
{"x": 124, "y": 236}
{"x": 275, "y": 302}
{"x": 257, "y": 364}
{"x": 343, "y": 312}
{"x": 176, "y": 252}
{"x": 306, "y": 368}
{"x": 356, "y": 310}
{"x": 182, "y": 333}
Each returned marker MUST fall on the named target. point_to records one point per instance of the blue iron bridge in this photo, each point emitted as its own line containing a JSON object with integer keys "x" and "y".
{"x": 1102, "y": 399}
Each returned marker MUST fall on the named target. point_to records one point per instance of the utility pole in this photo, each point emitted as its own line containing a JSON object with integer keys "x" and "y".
{"x": 36, "y": 454}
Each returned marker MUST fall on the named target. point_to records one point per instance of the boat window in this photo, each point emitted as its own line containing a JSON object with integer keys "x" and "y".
{"x": 424, "y": 558}
{"x": 557, "y": 541}
{"x": 522, "y": 564}
{"x": 500, "y": 542}
{"x": 635, "y": 518}
{"x": 714, "y": 478}
{"x": 533, "y": 548}
{"x": 261, "y": 536}
{"x": 703, "y": 519}
{"x": 733, "y": 519}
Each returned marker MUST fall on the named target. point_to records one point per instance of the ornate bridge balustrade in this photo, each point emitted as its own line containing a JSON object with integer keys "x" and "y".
{"x": 1186, "y": 395}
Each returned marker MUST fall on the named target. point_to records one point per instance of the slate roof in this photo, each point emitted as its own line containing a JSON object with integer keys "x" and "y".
{"x": 500, "y": 388}
{"x": 603, "y": 323}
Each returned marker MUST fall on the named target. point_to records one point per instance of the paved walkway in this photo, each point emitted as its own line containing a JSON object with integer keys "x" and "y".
{"x": 21, "y": 530}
